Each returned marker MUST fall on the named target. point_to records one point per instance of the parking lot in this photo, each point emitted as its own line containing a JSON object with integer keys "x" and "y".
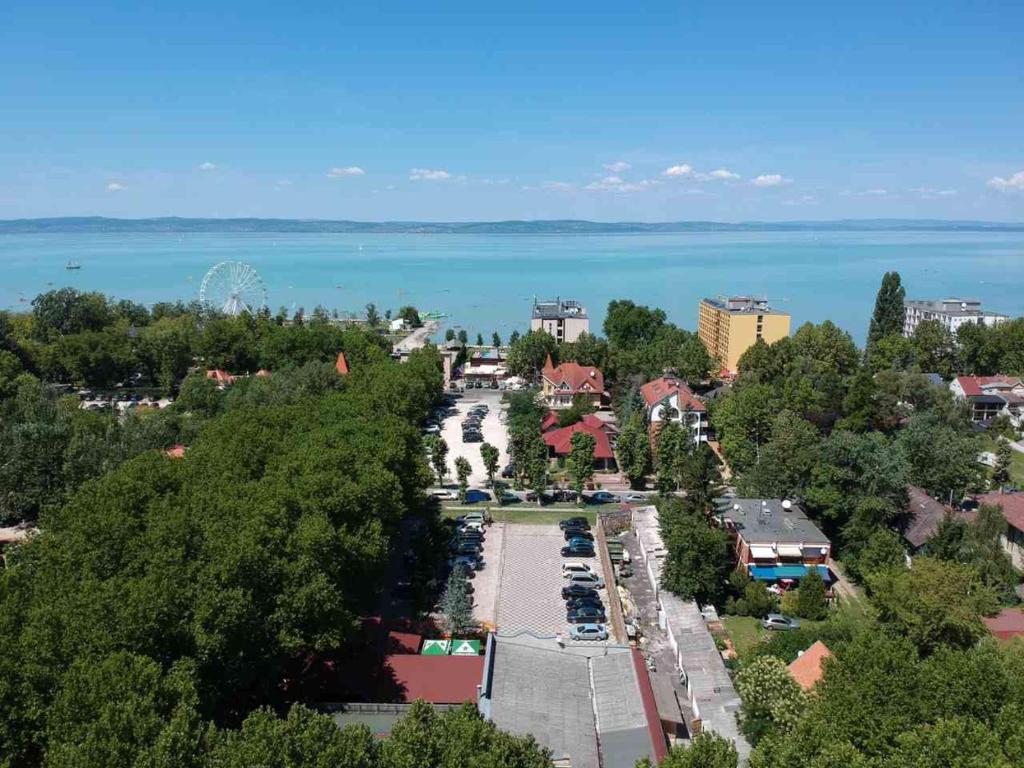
{"x": 527, "y": 568}
{"x": 492, "y": 427}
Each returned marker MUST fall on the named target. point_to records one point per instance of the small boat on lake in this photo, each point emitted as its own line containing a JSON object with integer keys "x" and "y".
{"x": 72, "y": 265}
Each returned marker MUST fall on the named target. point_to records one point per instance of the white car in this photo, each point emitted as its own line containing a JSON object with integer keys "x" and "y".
{"x": 568, "y": 569}
{"x": 444, "y": 494}
{"x": 588, "y": 632}
{"x": 586, "y": 580}
{"x": 472, "y": 525}
{"x": 634, "y": 498}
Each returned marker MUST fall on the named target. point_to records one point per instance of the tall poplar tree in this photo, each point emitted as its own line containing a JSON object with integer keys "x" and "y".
{"x": 887, "y": 319}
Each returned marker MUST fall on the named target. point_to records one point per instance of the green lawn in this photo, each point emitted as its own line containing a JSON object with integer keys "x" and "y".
{"x": 745, "y": 631}
{"x": 1016, "y": 462}
{"x": 546, "y": 515}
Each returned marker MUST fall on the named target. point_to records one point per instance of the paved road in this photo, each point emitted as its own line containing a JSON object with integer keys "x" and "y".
{"x": 418, "y": 337}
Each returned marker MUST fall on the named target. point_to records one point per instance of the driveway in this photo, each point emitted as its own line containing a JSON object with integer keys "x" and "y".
{"x": 530, "y": 583}
{"x": 492, "y": 427}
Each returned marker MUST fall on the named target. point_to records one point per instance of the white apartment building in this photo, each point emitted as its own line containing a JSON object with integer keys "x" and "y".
{"x": 564, "y": 319}
{"x": 951, "y": 313}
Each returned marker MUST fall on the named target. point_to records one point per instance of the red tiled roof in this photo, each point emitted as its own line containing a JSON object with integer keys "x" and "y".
{"x": 655, "y": 391}
{"x": 1012, "y": 504}
{"x": 175, "y": 452}
{"x": 561, "y": 440}
{"x": 973, "y": 385}
{"x": 1009, "y": 623}
{"x": 437, "y": 679}
{"x": 575, "y": 376}
{"x": 221, "y": 377}
{"x": 403, "y": 642}
{"x": 808, "y": 669}
{"x": 341, "y": 366}
{"x": 550, "y": 420}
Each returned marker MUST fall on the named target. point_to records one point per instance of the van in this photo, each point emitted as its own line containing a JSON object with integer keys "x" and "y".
{"x": 575, "y": 567}
{"x": 587, "y": 579}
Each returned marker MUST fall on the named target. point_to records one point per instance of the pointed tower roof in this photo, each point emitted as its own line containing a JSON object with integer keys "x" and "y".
{"x": 341, "y": 366}
{"x": 548, "y": 365}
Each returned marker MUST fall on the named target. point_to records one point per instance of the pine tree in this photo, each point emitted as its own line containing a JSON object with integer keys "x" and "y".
{"x": 887, "y": 319}
{"x": 456, "y": 604}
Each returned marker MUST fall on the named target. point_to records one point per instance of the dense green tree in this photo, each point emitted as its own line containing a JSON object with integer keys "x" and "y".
{"x": 479, "y": 339}
{"x": 887, "y": 318}
{"x": 634, "y": 450}
{"x": 810, "y": 602}
{"x": 463, "y": 336}
{"x": 942, "y": 459}
{"x": 627, "y": 324}
{"x": 581, "y": 406}
{"x": 743, "y": 421}
{"x": 671, "y": 445}
{"x": 463, "y": 469}
{"x": 697, "y": 563}
{"x": 700, "y": 478}
{"x": 1001, "y": 470}
{"x": 513, "y": 337}
{"x": 580, "y": 463}
{"x": 495, "y": 339}
{"x": 934, "y": 348}
{"x": 786, "y": 462}
{"x": 490, "y": 456}
{"x": 587, "y": 349}
{"x": 527, "y": 354}
{"x": 457, "y": 605}
{"x": 66, "y": 311}
{"x": 411, "y": 316}
{"x": 372, "y": 315}
{"x": 449, "y": 334}
{"x": 933, "y": 604}
{"x": 706, "y": 750}
{"x": 772, "y": 700}
{"x": 437, "y": 449}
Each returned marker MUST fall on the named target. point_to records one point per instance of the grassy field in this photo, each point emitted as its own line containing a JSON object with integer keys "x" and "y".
{"x": 547, "y": 515}
{"x": 1016, "y": 462}
{"x": 745, "y": 631}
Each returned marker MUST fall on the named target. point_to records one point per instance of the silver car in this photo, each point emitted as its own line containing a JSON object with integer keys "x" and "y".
{"x": 588, "y": 632}
{"x": 778, "y": 621}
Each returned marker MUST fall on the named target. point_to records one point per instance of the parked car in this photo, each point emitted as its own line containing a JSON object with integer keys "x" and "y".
{"x": 634, "y": 498}
{"x": 578, "y": 533}
{"x": 532, "y": 496}
{"x": 472, "y": 525}
{"x": 779, "y": 621}
{"x": 444, "y": 494}
{"x": 602, "y": 497}
{"x": 578, "y": 550}
{"x": 588, "y": 614}
{"x": 579, "y": 602}
{"x": 569, "y": 568}
{"x": 469, "y": 535}
{"x": 588, "y": 632}
{"x": 507, "y": 497}
{"x": 574, "y": 522}
{"x": 431, "y": 429}
{"x": 586, "y": 579}
{"x": 508, "y": 470}
{"x": 466, "y": 547}
{"x": 474, "y": 495}
{"x": 468, "y": 563}
{"x": 563, "y": 494}
{"x": 471, "y": 517}
{"x": 572, "y": 591}
{"x": 579, "y": 541}
{"x": 472, "y": 437}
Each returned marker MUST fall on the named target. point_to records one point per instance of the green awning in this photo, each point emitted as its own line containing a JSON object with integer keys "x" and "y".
{"x": 465, "y": 647}
{"x": 436, "y": 647}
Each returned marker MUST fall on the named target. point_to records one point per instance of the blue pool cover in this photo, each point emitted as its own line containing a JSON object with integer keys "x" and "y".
{"x": 795, "y": 572}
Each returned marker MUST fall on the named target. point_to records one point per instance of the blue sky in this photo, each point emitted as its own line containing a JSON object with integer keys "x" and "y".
{"x": 608, "y": 111}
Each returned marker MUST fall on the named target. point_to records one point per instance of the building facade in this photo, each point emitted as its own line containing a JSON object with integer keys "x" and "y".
{"x": 562, "y": 384}
{"x": 991, "y": 396}
{"x": 564, "y": 319}
{"x": 669, "y": 399}
{"x": 950, "y": 313}
{"x": 729, "y": 326}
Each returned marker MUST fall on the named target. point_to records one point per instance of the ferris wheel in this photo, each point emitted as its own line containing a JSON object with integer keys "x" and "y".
{"x": 233, "y": 287}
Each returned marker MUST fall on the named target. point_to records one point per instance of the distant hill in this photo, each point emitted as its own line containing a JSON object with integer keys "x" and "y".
{"x": 98, "y": 224}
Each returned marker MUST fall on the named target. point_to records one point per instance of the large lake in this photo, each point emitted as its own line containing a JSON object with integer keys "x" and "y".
{"x": 487, "y": 282}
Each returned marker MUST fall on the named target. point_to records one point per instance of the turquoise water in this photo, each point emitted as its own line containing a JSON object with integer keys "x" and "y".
{"x": 486, "y": 282}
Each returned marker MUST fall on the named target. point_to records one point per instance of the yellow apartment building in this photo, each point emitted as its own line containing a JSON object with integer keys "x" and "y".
{"x": 729, "y": 326}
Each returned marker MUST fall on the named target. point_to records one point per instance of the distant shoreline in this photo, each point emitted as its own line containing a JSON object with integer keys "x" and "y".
{"x": 102, "y": 225}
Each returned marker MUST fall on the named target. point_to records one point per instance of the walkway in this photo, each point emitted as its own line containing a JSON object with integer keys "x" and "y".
{"x": 418, "y": 337}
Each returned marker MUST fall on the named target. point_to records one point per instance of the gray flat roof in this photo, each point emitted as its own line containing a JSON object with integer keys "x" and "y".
{"x": 953, "y": 306}
{"x": 742, "y": 305}
{"x": 574, "y": 700}
{"x": 555, "y": 309}
{"x": 768, "y": 521}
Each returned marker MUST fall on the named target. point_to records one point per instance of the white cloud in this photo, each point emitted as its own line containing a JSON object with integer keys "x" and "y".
{"x": 770, "y": 180}
{"x": 557, "y": 186}
{"x": 207, "y": 166}
{"x": 616, "y": 183}
{"x": 932, "y": 192}
{"x": 618, "y": 166}
{"x": 282, "y": 185}
{"x": 342, "y": 172}
{"x": 1013, "y": 183}
{"x": 876, "y": 192}
{"x": 802, "y": 200}
{"x": 427, "y": 174}
{"x": 114, "y": 187}
{"x": 678, "y": 170}
{"x": 722, "y": 174}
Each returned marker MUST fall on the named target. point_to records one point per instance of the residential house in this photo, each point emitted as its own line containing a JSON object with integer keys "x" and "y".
{"x": 991, "y": 396}
{"x": 809, "y": 667}
{"x": 486, "y": 367}
{"x": 921, "y": 518}
{"x": 1007, "y": 624}
{"x": 559, "y": 440}
{"x": 564, "y": 319}
{"x": 1012, "y": 505}
{"x": 774, "y": 539}
{"x": 221, "y": 378}
{"x": 949, "y": 313}
{"x": 562, "y": 384}
{"x": 670, "y": 399}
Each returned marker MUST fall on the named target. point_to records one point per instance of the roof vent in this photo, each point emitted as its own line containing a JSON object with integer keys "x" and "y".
{"x": 787, "y": 504}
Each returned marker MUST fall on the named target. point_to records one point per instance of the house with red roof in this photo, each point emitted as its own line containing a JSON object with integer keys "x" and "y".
{"x": 559, "y": 441}
{"x": 341, "y": 364}
{"x": 670, "y": 399}
{"x": 560, "y": 385}
{"x": 809, "y": 667}
{"x": 1007, "y": 624}
{"x": 991, "y": 396}
{"x": 221, "y": 378}
{"x": 1012, "y": 506}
